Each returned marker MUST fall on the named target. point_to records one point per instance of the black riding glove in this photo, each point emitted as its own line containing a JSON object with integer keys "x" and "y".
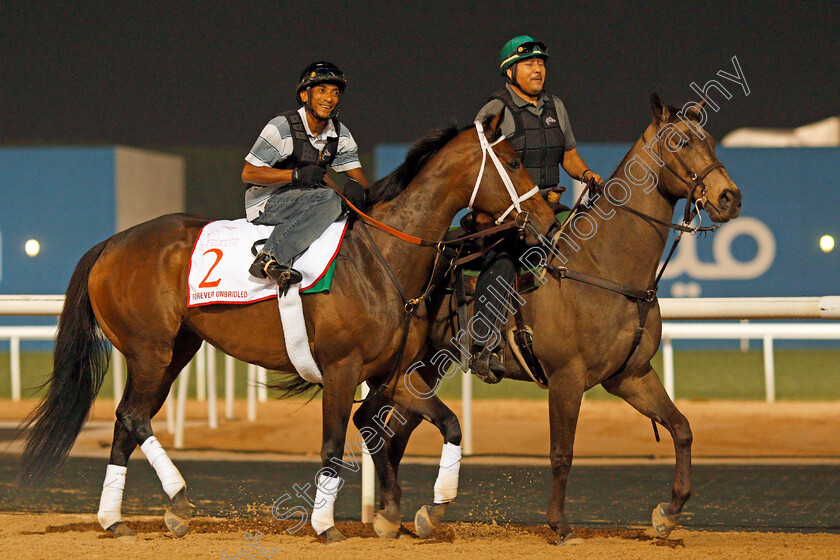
{"x": 355, "y": 193}
{"x": 309, "y": 175}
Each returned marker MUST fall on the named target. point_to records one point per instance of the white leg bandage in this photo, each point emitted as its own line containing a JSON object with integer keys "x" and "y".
{"x": 325, "y": 494}
{"x": 169, "y": 476}
{"x": 446, "y": 485}
{"x": 110, "y": 504}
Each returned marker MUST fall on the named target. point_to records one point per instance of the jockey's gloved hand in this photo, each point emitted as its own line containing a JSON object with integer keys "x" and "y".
{"x": 308, "y": 174}
{"x": 355, "y": 193}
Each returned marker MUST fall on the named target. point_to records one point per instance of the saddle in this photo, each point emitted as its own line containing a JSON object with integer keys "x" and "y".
{"x": 469, "y": 261}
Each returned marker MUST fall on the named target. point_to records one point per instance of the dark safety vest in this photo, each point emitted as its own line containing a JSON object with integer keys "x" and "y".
{"x": 539, "y": 141}
{"x": 303, "y": 153}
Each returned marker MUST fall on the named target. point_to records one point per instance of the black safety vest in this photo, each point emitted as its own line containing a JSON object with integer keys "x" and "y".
{"x": 303, "y": 153}
{"x": 539, "y": 141}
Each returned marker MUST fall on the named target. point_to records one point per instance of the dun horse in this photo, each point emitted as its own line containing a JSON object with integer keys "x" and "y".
{"x": 133, "y": 287}
{"x": 585, "y": 334}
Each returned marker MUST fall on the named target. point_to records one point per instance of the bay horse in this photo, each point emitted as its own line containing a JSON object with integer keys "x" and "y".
{"x": 584, "y": 334}
{"x": 132, "y": 290}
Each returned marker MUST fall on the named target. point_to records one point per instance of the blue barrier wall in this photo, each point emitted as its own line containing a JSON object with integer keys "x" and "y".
{"x": 791, "y": 197}
{"x": 62, "y": 197}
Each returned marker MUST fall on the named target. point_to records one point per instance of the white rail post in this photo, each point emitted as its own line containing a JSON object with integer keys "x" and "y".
{"x": 252, "y": 392}
{"x": 745, "y": 342}
{"x": 466, "y": 403}
{"x": 368, "y": 483}
{"x": 14, "y": 354}
{"x": 212, "y": 395}
{"x": 181, "y": 413}
{"x": 769, "y": 370}
{"x": 668, "y": 365}
{"x": 229, "y": 387}
{"x": 119, "y": 376}
{"x": 201, "y": 373}
{"x": 262, "y": 379}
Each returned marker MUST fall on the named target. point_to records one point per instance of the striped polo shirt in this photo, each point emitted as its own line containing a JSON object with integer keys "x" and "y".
{"x": 276, "y": 143}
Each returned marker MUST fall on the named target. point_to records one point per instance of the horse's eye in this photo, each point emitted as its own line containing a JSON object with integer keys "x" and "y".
{"x": 514, "y": 164}
{"x": 684, "y": 144}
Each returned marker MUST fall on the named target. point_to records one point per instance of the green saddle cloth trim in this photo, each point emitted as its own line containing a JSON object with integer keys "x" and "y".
{"x": 325, "y": 283}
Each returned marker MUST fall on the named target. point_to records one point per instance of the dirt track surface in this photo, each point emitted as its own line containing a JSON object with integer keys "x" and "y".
{"x": 58, "y": 537}
{"x": 606, "y": 428}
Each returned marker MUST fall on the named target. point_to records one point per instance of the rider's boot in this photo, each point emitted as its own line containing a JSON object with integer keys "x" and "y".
{"x": 265, "y": 266}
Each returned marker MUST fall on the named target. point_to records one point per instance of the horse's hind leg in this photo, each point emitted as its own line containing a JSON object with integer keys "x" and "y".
{"x": 644, "y": 392}
{"x": 145, "y": 392}
{"x": 415, "y": 395}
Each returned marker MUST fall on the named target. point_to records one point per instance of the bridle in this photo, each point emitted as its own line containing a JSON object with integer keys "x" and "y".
{"x": 643, "y": 298}
{"x": 411, "y": 304}
{"x": 487, "y": 149}
{"x": 694, "y": 181}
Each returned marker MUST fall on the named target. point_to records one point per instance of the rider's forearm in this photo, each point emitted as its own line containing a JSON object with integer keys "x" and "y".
{"x": 573, "y": 164}
{"x": 357, "y": 175}
{"x": 265, "y": 176}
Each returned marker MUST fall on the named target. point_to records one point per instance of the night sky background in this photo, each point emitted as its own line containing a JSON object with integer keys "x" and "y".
{"x": 211, "y": 74}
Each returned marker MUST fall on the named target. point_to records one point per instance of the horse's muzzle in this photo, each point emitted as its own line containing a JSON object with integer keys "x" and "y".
{"x": 728, "y": 204}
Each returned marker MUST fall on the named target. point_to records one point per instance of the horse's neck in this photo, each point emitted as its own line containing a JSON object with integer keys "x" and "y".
{"x": 626, "y": 248}
{"x": 424, "y": 209}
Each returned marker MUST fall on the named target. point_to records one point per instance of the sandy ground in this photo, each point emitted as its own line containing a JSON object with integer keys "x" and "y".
{"x": 606, "y": 429}
{"x": 58, "y": 537}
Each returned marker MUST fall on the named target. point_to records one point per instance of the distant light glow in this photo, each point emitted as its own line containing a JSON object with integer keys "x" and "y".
{"x": 32, "y": 247}
{"x": 826, "y": 243}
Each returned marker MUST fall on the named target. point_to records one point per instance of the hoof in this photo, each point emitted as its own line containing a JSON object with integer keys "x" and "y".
{"x": 427, "y": 518}
{"x": 178, "y": 514}
{"x": 663, "y": 523}
{"x": 333, "y": 535}
{"x": 384, "y": 527}
{"x": 120, "y": 529}
{"x": 570, "y": 539}
{"x": 176, "y": 524}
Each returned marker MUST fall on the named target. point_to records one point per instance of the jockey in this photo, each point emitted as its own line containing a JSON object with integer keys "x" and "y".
{"x": 537, "y": 126}
{"x": 285, "y": 169}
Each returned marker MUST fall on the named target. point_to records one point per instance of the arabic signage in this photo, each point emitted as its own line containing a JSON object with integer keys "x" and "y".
{"x": 791, "y": 199}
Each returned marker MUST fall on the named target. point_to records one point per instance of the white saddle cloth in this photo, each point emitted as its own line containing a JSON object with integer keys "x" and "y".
{"x": 222, "y": 255}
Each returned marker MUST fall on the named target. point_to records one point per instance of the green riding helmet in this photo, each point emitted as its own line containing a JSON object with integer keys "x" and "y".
{"x": 519, "y": 49}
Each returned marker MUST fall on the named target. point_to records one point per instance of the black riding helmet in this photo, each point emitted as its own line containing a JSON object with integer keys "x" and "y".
{"x": 322, "y": 72}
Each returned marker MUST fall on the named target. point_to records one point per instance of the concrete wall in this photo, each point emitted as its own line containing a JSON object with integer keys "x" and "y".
{"x": 147, "y": 185}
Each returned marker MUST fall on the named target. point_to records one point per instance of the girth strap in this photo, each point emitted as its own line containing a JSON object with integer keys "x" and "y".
{"x": 644, "y": 308}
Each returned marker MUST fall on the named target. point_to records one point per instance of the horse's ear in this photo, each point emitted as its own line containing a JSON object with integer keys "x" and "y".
{"x": 660, "y": 110}
{"x": 492, "y": 125}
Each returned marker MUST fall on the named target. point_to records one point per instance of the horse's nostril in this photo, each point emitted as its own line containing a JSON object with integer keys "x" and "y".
{"x": 725, "y": 199}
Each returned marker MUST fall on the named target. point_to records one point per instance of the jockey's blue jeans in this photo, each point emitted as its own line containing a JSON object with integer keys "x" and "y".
{"x": 300, "y": 215}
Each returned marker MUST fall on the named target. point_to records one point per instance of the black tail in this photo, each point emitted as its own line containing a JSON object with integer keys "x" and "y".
{"x": 293, "y": 385}
{"x": 80, "y": 364}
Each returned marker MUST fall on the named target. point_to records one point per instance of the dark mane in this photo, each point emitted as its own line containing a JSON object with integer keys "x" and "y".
{"x": 419, "y": 155}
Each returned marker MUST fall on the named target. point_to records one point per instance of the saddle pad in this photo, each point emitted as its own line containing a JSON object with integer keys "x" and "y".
{"x": 222, "y": 254}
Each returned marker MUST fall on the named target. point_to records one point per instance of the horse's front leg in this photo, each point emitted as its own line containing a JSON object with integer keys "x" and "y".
{"x": 340, "y": 382}
{"x": 644, "y": 392}
{"x": 375, "y": 420}
{"x": 565, "y": 393}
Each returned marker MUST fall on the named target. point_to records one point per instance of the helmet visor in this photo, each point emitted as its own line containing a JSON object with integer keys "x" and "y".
{"x": 537, "y": 47}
